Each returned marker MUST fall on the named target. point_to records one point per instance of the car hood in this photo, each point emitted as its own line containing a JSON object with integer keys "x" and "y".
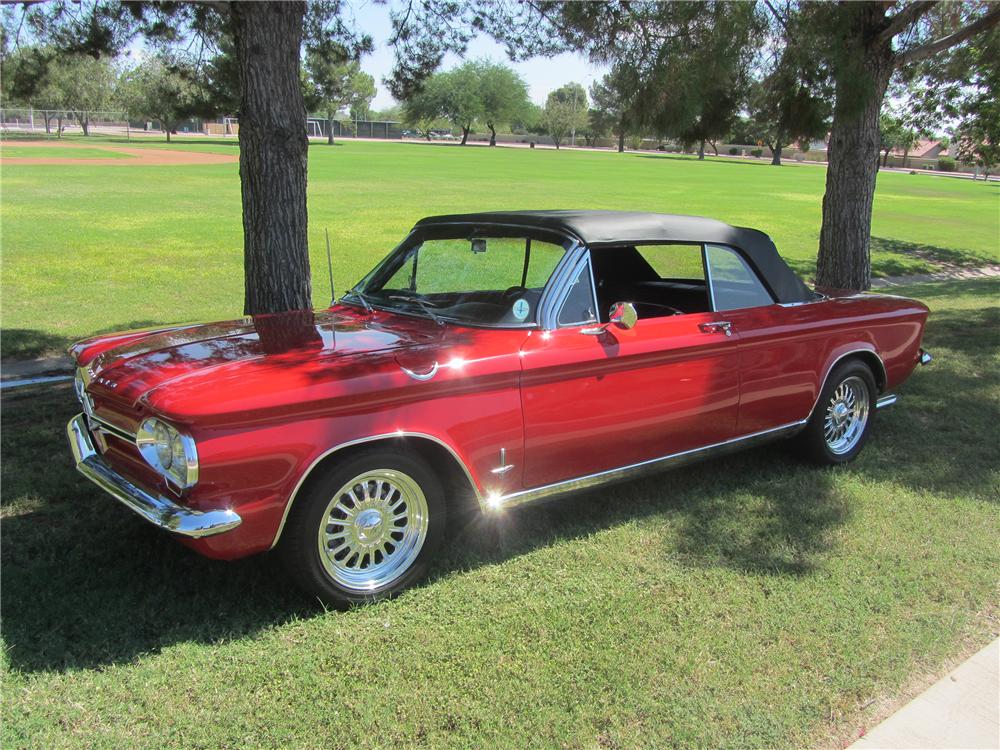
{"x": 130, "y": 366}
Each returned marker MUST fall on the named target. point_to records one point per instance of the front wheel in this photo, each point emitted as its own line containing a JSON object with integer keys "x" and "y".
{"x": 841, "y": 422}
{"x": 365, "y": 529}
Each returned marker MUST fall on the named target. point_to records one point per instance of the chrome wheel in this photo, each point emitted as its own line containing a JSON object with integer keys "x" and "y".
{"x": 846, "y": 415}
{"x": 373, "y": 529}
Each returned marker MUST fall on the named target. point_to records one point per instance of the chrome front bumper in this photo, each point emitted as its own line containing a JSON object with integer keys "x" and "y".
{"x": 156, "y": 509}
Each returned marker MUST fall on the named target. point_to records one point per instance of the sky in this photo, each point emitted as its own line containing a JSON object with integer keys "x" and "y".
{"x": 541, "y": 74}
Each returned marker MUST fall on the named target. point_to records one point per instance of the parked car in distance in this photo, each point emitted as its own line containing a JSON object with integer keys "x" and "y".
{"x": 443, "y": 135}
{"x": 498, "y": 358}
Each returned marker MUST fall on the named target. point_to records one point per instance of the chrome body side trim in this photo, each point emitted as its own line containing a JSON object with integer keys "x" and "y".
{"x": 371, "y": 439}
{"x": 632, "y": 471}
{"x": 156, "y": 509}
{"x": 887, "y": 400}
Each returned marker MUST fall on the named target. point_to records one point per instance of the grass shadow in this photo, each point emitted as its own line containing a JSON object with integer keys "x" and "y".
{"x": 928, "y": 256}
{"x": 709, "y": 159}
{"x": 28, "y": 343}
{"x": 88, "y": 584}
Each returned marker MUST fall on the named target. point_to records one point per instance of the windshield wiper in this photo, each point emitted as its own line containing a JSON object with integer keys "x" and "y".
{"x": 361, "y": 298}
{"x": 424, "y": 305}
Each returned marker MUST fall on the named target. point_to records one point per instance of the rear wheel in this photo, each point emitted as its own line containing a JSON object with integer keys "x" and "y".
{"x": 365, "y": 529}
{"x": 841, "y": 422}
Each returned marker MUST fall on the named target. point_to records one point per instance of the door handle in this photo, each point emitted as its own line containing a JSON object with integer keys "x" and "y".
{"x": 723, "y": 326}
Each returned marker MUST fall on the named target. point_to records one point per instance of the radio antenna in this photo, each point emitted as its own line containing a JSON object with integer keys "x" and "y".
{"x": 329, "y": 267}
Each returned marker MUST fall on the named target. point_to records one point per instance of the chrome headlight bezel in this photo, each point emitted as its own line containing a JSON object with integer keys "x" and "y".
{"x": 183, "y": 474}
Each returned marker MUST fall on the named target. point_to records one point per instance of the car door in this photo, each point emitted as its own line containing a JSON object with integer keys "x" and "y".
{"x": 781, "y": 346}
{"x": 594, "y": 401}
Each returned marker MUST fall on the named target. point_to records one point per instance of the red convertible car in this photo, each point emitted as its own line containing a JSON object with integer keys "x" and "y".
{"x": 506, "y": 357}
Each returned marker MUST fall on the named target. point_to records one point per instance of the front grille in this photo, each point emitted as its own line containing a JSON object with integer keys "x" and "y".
{"x": 112, "y": 429}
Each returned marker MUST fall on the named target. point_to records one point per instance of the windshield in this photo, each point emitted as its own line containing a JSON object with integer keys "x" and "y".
{"x": 478, "y": 280}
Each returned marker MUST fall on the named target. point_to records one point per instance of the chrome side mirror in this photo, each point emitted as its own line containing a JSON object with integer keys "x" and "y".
{"x": 622, "y": 314}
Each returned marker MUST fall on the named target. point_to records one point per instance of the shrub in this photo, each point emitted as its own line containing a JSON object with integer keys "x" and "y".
{"x": 757, "y": 152}
{"x": 733, "y": 151}
{"x": 946, "y": 164}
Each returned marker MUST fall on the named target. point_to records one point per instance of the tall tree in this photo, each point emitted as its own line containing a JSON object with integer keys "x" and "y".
{"x": 894, "y": 133}
{"x": 424, "y": 107}
{"x": 962, "y": 85}
{"x": 333, "y": 84}
{"x": 503, "y": 93}
{"x": 267, "y": 39}
{"x": 70, "y": 85}
{"x": 565, "y": 112}
{"x": 864, "y": 44}
{"x": 158, "y": 89}
{"x": 614, "y": 99}
{"x": 461, "y": 97}
{"x": 790, "y": 104}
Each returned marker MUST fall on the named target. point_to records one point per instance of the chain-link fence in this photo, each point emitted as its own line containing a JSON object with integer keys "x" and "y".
{"x": 55, "y": 122}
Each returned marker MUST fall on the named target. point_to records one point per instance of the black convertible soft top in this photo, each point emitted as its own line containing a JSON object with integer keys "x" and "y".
{"x": 609, "y": 228}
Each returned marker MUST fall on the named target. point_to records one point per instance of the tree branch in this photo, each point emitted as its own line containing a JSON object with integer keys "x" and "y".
{"x": 905, "y": 18}
{"x": 778, "y": 16}
{"x": 986, "y": 21}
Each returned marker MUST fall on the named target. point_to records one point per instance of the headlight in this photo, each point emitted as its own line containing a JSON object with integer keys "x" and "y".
{"x": 169, "y": 451}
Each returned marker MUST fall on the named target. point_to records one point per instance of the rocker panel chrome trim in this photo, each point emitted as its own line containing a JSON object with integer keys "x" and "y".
{"x": 642, "y": 468}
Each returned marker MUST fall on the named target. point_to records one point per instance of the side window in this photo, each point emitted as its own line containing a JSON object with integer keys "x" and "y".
{"x": 579, "y": 305}
{"x": 674, "y": 261}
{"x": 734, "y": 284}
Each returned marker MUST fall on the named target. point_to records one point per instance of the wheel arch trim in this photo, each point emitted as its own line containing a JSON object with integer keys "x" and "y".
{"x": 865, "y": 354}
{"x": 384, "y": 437}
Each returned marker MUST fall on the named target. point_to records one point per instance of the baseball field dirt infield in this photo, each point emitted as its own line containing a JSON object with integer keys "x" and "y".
{"x": 15, "y": 154}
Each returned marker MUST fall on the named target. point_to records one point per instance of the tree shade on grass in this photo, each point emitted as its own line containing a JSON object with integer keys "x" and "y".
{"x": 747, "y": 602}
{"x": 88, "y": 249}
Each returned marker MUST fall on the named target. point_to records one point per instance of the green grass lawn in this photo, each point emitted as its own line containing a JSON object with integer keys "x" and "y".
{"x": 86, "y": 249}
{"x": 58, "y": 152}
{"x": 747, "y": 602}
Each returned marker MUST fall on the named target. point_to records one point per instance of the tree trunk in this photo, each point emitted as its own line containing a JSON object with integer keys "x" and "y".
{"x": 701, "y": 150}
{"x": 273, "y": 156}
{"x": 59, "y": 126}
{"x": 493, "y": 134}
{"x": 48, "y": 124}
{"x": 906, "y": 153}
{"x": 715, "y": 147}
{"x": 465, "y": 134}
{"x": 84, "y": 123}
{"x": 166, "y": 128}
{"x": 776, "y": 150}
{"x": 844, "y": 258}
{"x": 329, "y": 128}
{"x": 885, "y": 157}
{"x": 621, "y": 142}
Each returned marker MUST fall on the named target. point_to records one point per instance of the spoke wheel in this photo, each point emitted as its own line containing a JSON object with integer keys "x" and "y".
{"x": 373, "y": 529}
{"x": 846, "y": 415}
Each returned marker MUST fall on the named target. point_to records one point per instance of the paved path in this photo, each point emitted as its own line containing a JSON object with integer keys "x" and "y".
{"x": 959, "y": 274}
{"x": 962, "y": 710}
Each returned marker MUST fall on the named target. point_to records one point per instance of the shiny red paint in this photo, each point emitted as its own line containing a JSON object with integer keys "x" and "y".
{"x": 267, "y": 398}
